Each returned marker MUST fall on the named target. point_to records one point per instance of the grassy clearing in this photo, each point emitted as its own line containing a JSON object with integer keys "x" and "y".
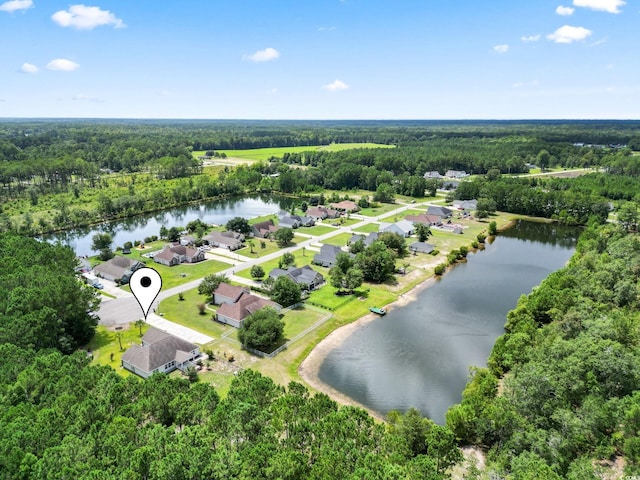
{"x": 318, "y": 230}
{"x": 301, "y": 260}
{"x": 380, "y": 209}
{"x": 368, "y": 228}
{"x": 278, "y": 152}
{"x": 340, "y": 240}
{"x": 105, "y": 345}
{"x": 185, "y": 312}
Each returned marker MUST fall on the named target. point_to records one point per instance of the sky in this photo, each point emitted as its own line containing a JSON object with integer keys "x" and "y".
{"x": 320, "y": 59}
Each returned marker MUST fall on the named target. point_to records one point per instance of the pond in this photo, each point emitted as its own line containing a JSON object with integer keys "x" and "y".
{"x": 419, "y": 355}
{"x": 141, "y": 226}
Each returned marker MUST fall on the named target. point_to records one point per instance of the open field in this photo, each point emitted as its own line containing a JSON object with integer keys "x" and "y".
{"x": 380, "y": 209}
{"x": 301, "y": 260}
{"x": 267, "y": 153}
{"x": 368, "y": 228}
{"x": 340, "y": 240}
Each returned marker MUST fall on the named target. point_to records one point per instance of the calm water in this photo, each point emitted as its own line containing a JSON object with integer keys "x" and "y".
{"x": 419, "y": 355}
{"x": 141, "y": 226}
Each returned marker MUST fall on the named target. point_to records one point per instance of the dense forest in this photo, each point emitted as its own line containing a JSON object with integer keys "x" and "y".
{"x": 562, "y": 384}
{"x": 56, "y": 175}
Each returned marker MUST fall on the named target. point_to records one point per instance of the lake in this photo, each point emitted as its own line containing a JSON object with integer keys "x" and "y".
{"x": 142, "y": 226}
{"x": 419, "y": 355}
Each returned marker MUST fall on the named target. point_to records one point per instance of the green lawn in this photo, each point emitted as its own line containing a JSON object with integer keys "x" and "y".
{"x": 327, "y": 298}
{"x": 379, "y": 210}
{"x": 318, "y": 230}
{"x": 185, "y": 312}
{"x": 298, "y": 320}
{"x": 340, "y": 240}
{"x": 270, "y": 246}
{"x": 301, "y": 260}
{"x": 343, "y": 221}
{"x": 368, "y": 228}
{"x": 105, "y": 343}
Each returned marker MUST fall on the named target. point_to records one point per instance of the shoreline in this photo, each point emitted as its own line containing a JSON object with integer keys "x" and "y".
{"x": 310, "y": 366}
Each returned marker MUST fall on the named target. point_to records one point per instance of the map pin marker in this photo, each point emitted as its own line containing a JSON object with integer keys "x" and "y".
{"x": 145, "y": 285}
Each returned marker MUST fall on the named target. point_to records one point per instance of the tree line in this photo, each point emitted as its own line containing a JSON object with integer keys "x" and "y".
{"x": 561, "y": 391}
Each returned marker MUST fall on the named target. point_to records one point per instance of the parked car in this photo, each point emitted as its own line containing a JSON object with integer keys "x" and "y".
{"x": 97, "y": 285}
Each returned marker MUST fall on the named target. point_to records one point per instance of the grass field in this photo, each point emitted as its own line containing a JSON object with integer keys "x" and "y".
{"x": 368, "y": 228}
{"x": 340, "y": 240}
{"x": 301, "y": 260}
{"x": 105, "y": 343}
{"x": 267, "y": 153}
{"x": 318, "y": 230}
{"x": 379, "y": 210}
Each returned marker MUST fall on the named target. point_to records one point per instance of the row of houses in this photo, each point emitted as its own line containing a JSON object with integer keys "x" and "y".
{"x": 448, "y": 174}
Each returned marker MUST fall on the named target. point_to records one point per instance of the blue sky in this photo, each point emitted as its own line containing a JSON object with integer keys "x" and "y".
{"x": 320, "y": 59}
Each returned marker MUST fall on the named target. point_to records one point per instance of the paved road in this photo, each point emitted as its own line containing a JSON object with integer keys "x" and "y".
{"x": 125, "y": 308}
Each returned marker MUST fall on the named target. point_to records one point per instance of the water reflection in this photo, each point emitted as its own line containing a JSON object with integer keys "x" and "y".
{"x": 142, "y": 226}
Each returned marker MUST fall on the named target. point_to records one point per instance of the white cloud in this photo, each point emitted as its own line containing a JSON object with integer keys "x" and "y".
{"x": 62, "y": 65}
{"x": 83, "y": 17}
{"x": 610, "y": 6}
{"x": 15, "y": 5}
{"x": 326, "y": 29}
{"x": 265, "y": 55}
{"x": 29, "y": 68}
{"x": 531, "y": 38}
{"x": 504, "y": 48}
{"x": 569, "y": 34}
{"x": 565, "y": 11}
{"x": 335, "y": 86}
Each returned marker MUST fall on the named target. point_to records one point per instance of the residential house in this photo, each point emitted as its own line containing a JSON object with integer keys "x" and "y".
{"x": 263, "y": 229}
{"x": 160, "y": 352}
{"x": 327, "y": 255}
{"x": 226, "y": 293}
{"x": 320, "y": 213}
{"x": 187, "y": 240}
{"x": 450, "y": 184}
{"x": 453, "y": 228}
{"x": 176, "y": 254}
{"x": 345, "y": 206}
{"x": 425, "y": 219}
{"x": 234, "y": 314}
{"x": 456, "y": 174}
{"x": 294, "y": 221}
{"x": 368, "y": 239}
{"x": 442, "y": 212}
{"x": 466, "y": 205}
{"x": 229, "y": 240}
{"x": 421, "y": 247}
{"x": 118, "y": 269}
{"x": 306, "y": 277}
{"x": 403, "y": 227}
{"x": 433, "y": 174}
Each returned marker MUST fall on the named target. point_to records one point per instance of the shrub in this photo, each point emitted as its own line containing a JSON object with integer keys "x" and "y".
{"x": 440, "y": 269}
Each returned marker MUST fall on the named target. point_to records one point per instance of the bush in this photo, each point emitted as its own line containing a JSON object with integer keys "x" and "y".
{"x": 440, "y": 269}
{"x": 481, "y": 237}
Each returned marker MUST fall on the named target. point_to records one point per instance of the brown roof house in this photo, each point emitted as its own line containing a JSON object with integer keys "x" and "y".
{"x": 425, "y": 218}
{"x": 346, "y": 206}
{"x": 320, "y": 213}
{"x": 118, "y": 269}
{"x": 226, "y": 293}
{"x": 176, "y": 254}
{"x": 234, "y": 313}
{"x": 160, "y": 352}
{"x": 263, "y": 229}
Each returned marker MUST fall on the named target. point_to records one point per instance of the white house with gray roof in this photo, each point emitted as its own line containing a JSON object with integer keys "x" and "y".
{"x": 160, "y": 352}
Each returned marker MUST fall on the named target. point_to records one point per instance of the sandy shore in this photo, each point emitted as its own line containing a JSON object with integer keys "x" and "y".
{"x": 310, "y": 367}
